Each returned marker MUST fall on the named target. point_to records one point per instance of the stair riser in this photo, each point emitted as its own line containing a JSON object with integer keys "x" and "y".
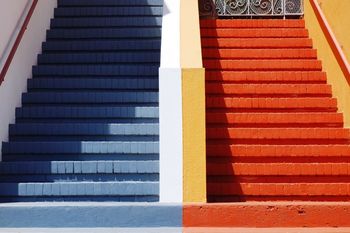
{"x": 108, "y": 11}
{"x": 94, "y": 70}
{"x": 257, "y": 43}
{"x": 59, "y": 34}
{"x": 102, "y": 58}
{"x": 73, "y": 3}
{"x": 82, "y": 178}
{"x": 90, "y": 98}
{"x": 106, "y": 22}
{"x": 265, "y": 77}
{"x": 80, "y": 157}
{"x": 254, "y": 33}
{"x": 101, "y": 45}
{"x": 259, "y": 53}
{"x": 237, "y": 23}
{"x": 92, "y": 84}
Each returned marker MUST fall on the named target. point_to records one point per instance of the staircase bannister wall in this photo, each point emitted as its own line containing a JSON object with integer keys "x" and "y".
{"x": 20, "y": 68}
{"x": 330, "y": 55}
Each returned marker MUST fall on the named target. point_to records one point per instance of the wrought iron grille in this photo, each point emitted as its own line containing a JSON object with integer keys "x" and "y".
{"x": 282, "y": 8}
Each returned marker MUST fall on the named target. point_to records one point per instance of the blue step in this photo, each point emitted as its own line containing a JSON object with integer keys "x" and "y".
{"x": 93, "y": 84}
{"x": 94, "y": 70}
{"x": 70, "y": 3}
{"x": 88, "y": 128}
{"x": 73, "y": 171}
{"x": 99, "y": 58}
{"x": 82, "y": 147}
{"x": 78, "y": 167}
{"x": 84, "y": 132}
{"x": 62, "y": 189}
{"x": 91, "y": 215}
{"x": 103, "y": 33}
{"x": 102, "y": 45}
{"x": 109, "y": 11}
{"x": 96, "y": 129}
{"x": 97, "y": 22}
{"x": 86, "y": 112}
{"x": 90, "y": 97}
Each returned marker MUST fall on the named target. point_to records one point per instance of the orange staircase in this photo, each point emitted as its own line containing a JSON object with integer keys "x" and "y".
{"x": 273, "y": 130}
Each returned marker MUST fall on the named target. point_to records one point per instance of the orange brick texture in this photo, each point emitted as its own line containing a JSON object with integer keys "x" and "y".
{"x": 273, "y": 130}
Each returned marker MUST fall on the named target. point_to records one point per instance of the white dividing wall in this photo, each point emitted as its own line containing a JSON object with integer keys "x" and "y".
{"x": 26, "y": 56}
{"x": 170, "y": 106}
{"x": 10, "y": 15}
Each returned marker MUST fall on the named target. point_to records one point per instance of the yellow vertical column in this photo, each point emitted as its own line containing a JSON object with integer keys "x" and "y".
{"x": 193, "y": 104}
{"x": 335, "y": 76}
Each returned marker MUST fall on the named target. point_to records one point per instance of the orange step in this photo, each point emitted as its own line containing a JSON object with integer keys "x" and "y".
{"x": 260, "y": 53}
{"x": 244, "y": 23}
{"x": 269, "y": 89}
{"x": 268, "y": 214}
{"x": 240, "y": 150}
{"x": 279, "y": 169}
{"x": 268, "y": 77}
{"x": 255, "y": 33}
{"x": 279, "y": 189}
{"x": 271, "y": 119}
{"x": 295, "y": 104}
{"x": 260, "y": 65}
{"x": 278, "y": 133}
{"x": 257, "y": 43}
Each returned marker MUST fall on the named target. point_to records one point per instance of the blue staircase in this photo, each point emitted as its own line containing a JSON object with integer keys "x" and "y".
{"x": 88, "y": 126}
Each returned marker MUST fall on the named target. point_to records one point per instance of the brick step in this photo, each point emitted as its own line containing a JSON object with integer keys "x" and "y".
{"x": 263, "y": 65}
{"x": 267, "y": 77}
{"x": 277, "y": 215}
{"x": 91, "y": 3}
{"x": 277, "y": 179}
{"x": 66, "y": 189}
{"x": 275, "y": 119}
{"x": 102, "y": 97}
{"x": 103, "y": 33}
{"x": 272, "y": 43}
{"x": 100, "y": 11}
{"x": 276, "y": 151}
{"x": 229, "y": 104}
{"x": 279, "y": 189}
{"x": 95, "y": 70}
{"x": 99, "y": 58}
{"x": 256, "y": 23}
{"x": 312, "y": 170}
{"x": 259, "y": 53}
{"x": 58, "y": 112}
{"x": 105, "y": 22}
{"x": 269, "y": 89}
{"x": 78, "y": 147}
{"x": 254, "y": 33}
{"x": 92, "y": 84}
{"x": 280, "y": 133}
{"x": 102, "y": 45}
{"x": 66, "y": 129}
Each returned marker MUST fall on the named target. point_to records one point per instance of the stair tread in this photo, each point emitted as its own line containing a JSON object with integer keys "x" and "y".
{"x": 78, "y": 167}
{"x": 241, "y": 150}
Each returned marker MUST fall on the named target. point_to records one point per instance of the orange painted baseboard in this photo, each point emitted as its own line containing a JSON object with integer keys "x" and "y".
{"x": 268, "y": 214}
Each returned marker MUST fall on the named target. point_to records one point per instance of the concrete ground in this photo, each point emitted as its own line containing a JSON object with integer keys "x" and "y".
{"x": 175, "y": 230}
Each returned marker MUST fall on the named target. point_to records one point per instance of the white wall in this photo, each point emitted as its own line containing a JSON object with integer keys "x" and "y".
{"x": 26, "y": 56}
{"x": 10, "y": 15}
{"x": 170, "y": 106}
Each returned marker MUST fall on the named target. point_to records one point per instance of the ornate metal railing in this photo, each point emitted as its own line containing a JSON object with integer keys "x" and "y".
{"x": 251, "y": 8}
